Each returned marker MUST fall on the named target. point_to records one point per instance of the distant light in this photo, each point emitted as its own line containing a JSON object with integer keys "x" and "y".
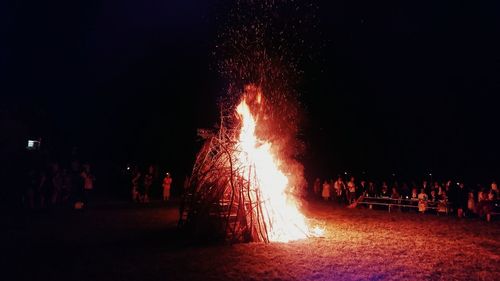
{"x": 33, "y": 145}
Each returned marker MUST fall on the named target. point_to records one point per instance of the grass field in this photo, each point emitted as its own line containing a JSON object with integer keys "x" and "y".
{"x": 126, "y": 242}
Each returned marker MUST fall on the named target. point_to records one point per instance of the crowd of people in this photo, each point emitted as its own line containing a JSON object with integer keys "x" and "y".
{"x": 51, "y": 185}
{"x": 146, "y": 182}
{"x": 456, "y": 197}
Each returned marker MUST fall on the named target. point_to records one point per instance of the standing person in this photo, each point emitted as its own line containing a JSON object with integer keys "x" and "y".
{"x": 384, "y": 190}
{"x": 422, "y": 200}
{"x": 447, "y": 188}
{"x": 471, "y": 201}
{"x": 395, "y": 194}
{"x": 362, "y": 189}
{"x": 494, "y": 188}
{"x": 339, "y": 187}
{"x": 371, "y": 192}
{"x": 492, "y": 198}
{"x": 65, "y": 187}
{"x": 414, "y": 197}
{"x": 486, "y": 200}
{"x": 434, "y": 197}
{"x": 425, "y": 186}
{"x": 351, "y": 191}
{"x": 167, "y": 182}
{"x": 332, "y": 189}
{"x": 316, "y": 187}
{"x": 442, "y": 203}
{"x": 482, "y": 198}
{"x": 461, "y": 198}
{"x": 414, "y": 194}
{"x": 437, "y": 187}
{"x": 88, "y": 183}
{"x": 185, "y": 185}
{"x": 77, "y": 184}
{"x": 326, "y": 191}
{"x": 148, "y": 182}
{"x": 136, "y": 176}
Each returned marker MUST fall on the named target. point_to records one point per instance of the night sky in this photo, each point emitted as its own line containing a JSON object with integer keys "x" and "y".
{"x": 388, "y": 87}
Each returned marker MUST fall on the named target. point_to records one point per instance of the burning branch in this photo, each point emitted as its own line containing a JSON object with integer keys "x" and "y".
{"x": 238, "y": 191}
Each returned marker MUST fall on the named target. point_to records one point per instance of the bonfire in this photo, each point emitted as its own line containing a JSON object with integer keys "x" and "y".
{"x": 238, "y": 190}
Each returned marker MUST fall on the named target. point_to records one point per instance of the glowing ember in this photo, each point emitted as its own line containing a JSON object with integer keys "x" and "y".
{"x": 283, "y": 220}
{"x": 318, "y": 231}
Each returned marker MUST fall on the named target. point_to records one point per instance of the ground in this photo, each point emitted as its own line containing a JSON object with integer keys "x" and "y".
{"x": 121, "y": 241}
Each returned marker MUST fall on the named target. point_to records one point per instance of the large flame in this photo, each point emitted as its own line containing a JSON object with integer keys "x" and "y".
{"x": 284, "y": 221}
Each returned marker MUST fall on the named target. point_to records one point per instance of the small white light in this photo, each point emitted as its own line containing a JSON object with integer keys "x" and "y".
{"x": 318, "y": 232}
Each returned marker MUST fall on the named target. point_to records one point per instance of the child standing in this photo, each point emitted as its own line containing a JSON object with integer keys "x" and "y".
{"x": 167, "y": 182}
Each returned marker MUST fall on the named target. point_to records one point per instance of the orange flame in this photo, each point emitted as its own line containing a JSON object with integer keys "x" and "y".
{"x": 283, "y": 219}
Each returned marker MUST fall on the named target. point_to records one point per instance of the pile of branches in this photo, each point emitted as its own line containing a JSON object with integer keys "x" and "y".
{"x": 223, "y": 199}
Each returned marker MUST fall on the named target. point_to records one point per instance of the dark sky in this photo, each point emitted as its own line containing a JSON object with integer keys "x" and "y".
{"x": 407, "y": 87}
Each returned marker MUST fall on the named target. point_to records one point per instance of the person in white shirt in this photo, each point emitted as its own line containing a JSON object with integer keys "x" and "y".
{"x": 339, "y": 187}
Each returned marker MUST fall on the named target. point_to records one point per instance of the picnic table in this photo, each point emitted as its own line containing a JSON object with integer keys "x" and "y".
{"x": 439, "y": 206}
